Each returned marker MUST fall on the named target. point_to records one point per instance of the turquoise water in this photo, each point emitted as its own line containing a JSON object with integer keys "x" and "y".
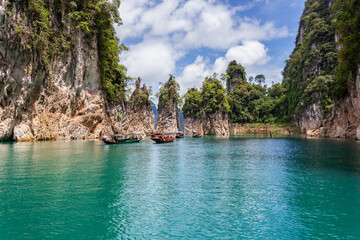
{"x": 237, "y": 188}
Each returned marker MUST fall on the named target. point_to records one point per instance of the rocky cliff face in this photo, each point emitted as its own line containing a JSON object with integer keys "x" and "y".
{"x": 141, "y": 118}
{"x": 192, "y": 125}
{"x": 216, "y": 124}
{"x": 344, "y": 121}
{"x": 62, "y": 100}
{"x": 168, "y": 120}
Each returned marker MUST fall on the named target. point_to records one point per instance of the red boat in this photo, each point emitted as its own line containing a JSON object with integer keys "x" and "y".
{"x": 179, "y": 135}
{"x": 163, "y": 137}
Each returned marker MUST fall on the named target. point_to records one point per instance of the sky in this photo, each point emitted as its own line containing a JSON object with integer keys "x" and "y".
{"x": 192, "y": 39}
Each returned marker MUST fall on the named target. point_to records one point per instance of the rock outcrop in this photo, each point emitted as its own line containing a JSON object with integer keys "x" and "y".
{"x": 216, "y": 124}
{"x": 62, "y": 100}
{"x": 192, "y": 125}
{"x": 168, "y": 120}
{"x": 141, "y": 118}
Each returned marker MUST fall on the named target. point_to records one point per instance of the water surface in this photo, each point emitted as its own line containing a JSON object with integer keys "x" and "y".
{"x": 236, "y": 188}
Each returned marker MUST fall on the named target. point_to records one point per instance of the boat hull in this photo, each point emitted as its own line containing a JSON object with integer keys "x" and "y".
{"x": 120, "y": 142}
{"x": 157, "y": 140}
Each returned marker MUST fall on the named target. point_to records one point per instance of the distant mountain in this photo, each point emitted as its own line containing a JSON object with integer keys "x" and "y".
{"x": 156, "y": 113}
{"x": 181, "y": 120}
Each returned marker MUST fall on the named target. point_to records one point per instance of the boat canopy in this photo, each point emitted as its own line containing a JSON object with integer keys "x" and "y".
{"x": 124, "y": 135}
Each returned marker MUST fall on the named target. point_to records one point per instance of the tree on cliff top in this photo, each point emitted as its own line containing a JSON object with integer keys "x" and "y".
{"x": 260, "y": 79}
{"x": 192, "y": 105}
{"x": 169, "y": 93}
{"x": 235, "y": 73}
{"x": 213, "y": 96}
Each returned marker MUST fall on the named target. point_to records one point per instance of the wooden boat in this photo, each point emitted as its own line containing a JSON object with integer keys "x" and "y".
{"x": 121, "y": 138}
{"x": 163, "y": 137}
{"x": 197, "y": 135}
{"x": 179, "y": 135}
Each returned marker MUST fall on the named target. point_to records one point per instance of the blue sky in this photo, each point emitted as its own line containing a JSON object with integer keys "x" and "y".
{"x": 192, "y": 39}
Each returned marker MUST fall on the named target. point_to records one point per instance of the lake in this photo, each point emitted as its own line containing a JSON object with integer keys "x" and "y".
{"x": 209, "y": 188}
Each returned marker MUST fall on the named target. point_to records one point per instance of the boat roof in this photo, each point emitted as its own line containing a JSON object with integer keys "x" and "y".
{"x": 130, "y": 134}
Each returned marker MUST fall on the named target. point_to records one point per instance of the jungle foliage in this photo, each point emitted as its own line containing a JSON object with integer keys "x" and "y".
{"x": 192, "y": 105}
{"x": 245, "y": 102}
{"x": 213, "y": 96}
{"x": 250, "y": 102}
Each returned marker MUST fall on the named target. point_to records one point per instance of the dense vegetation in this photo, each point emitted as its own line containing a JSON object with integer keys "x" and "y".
{"x": 213, "y": 96}
{"x": 250, "y": 102}
{"x": 47, "y": 29}
{"x": 209, "y": 100}
{"x": 192, "y": 105}
{"x": 245, "y": 102}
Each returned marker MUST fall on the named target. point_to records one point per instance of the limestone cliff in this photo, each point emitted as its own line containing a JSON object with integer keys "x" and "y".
{"x": 168, "y": 120}
{"x": 141, "y": 118}
{"x": 214, "y": 108}
{"x": 308, "y": 72}
{"x": 216, "y": 123}
{"x": 322, "y": 74}
{"x": 47, "y": 93}
{"x": 192, "y": 112}
{"x": 192, "y": 125}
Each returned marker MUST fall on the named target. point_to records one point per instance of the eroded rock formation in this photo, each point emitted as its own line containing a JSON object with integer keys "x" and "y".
{"x": 216, "y": 124}
{"x": 168, "y": 120}
{"x": 141, "y": 118}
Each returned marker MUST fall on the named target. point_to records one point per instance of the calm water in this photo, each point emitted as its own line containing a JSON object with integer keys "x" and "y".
{"x": 235, "y": 188}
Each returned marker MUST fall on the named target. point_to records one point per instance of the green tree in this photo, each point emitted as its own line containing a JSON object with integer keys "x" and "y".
{"x": 213, "y": 96}
{"x": 260, "y": 79}
{"x": 192, "y": 105}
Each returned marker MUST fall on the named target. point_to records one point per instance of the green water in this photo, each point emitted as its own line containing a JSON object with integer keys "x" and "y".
{"x": 237, "y": 188}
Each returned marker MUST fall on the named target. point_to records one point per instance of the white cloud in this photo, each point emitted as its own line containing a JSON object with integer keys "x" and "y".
{"x": 152, "y": 60}
{"x": 249, "y": 54}
{"x": 193, "y": 74}
{"x": 164, "y": 31}
{"x": 193, "y": 23}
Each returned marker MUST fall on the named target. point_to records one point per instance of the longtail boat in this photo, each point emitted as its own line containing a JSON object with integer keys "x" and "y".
{"x": 163, "y": 137}
{"x": 196, "y": 135}
{"x": 121, "y": 138}
{"x": 179, "y": 135}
